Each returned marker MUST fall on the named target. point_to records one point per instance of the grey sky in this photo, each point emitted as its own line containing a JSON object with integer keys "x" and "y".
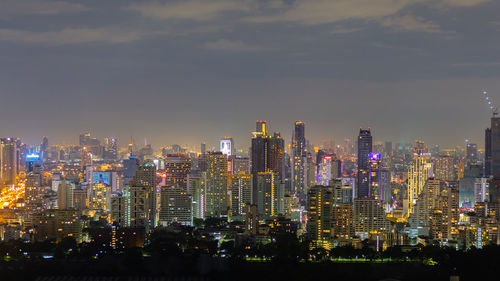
{"x": 193, "y": 70}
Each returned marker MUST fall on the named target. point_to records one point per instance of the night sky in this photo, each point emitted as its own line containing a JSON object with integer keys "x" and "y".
{"x": 191, "y": 71}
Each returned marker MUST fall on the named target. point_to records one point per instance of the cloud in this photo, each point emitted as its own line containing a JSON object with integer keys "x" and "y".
{"x": 411, "y": 23}
{"x": 198, "y": 10}
{"x": 313, "y": 12}
{"x": 232, "y": 46}
{"x": 70, "y": 36}
{"x": 465, "y": 3}
{"x": 42, "y": 7}
{"x": 345, "y": 30}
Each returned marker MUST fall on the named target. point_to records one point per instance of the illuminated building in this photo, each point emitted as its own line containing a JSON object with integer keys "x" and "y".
{"x": 326, "y": 170}
{"x": 44, "y": 149}
{"x": 251, "y": 219}
{"x": 270, "y": 194}
{"x": 319, "y": 214}
{"x": 349, "y": 186}
{"x": 369, "y": 216}
{"x": 110, "y": 151}
{"x": 197, "y": 188}
{"x": 444, "y": 168}
{"x": 216, "y": 203}
{"x": 363, "y": 172}
{"x": 175, "y": 205}
{"x": 481, "y": 190}
{"x": 227, "y": 146}
{"x": 495, "y": 147}
{"x": 119, "y": 210}
{"x": 33, "y": 190}
{"x": 241, "y": 164}
{"x": 241, "y": 192}
{"x": 342, "y": 220}
{"x": 420, "y": 170}
{"x": 137, "y": 206}
{"x": 65, "y": 195}
{"x": 145, "y": 176}
{"x": 33, "y": 163}
{"x": 99, "y": 196}
{"x": 57, "y": 224}
{"x": 177, "y": 169}
{"x": 129, "y": 167}
{"x": 267, "y": 153}
{"x": 9, "y": 161}
{"x": 299, "y": 177}
{"x": 445, "y": 215}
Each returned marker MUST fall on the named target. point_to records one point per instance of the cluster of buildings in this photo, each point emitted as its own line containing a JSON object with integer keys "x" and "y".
{"x": 331, "y": 195}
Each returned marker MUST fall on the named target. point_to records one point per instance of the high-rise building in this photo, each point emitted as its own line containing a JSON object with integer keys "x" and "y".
{"x": 363, "y": 173}
{"x": 487, "y": 153}
{"x": 9, "y": 161}
{"x": 241, "y": 192}
{"x": 319, "y": 212}
{"x": 175, "y": 205}
{"x": 216, "y": 203}
{"x": 227, "y": 146}
{"x": 65, "y": 195}
{"x": 177, "y": 169}
{"x": 44, "y": 149}
{"x": 197, "y": 187}
{"x": 270, "y": 194}
{"x": 420, "y": 170}
{"x": 145, "y": 176}
{"x": 495, "y": 147}
{"x": 444, "y": 168}
{"x": 369, "y": 217}
{"x": 299, "y": 168}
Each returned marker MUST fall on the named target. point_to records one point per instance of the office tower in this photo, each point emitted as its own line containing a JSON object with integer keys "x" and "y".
{"x": 481, "y": 190}
{"x": 369, "y": 216}
{"x": 33, "y": 162}
{"x": 216, "y": 203}
{"x": 44, "y": 149}
{"x": 197, "y": 188}
{"x": 364, "y": 150}
{"x": 261, "y": 127}
{"x": 299, "y": 180}
{"x": 145, "y": 176}
{"x": 241, "y": 192}
{"x": 444, "y": 168}
{"x": 203, "y": 148}
{"x": 267, "y": 153}
{"x": 177, "y": 169}
{"x": 129, "y": 167}
{"x": 495, "y": 147}
{"x": 319, "y": 212}
{"x": 471, "y": 154}
{"x": 418, "y": 173}
{"x": 325, "y": 169}
{"x": 349, "y": 189}
{"x": 270, "y": 194}
{"x": 227, "y": 146}
{"x": 487, "y": 153}
{"x": 110, "y": 151}
{"x": 33, "y": 191}
{"x": 9, "y": 161}
{"x": 175, "y": 205}
{"x": 375, "y": 176}
{"x": 241, "y": 164}
{"x": 388, "y": 148}
{"x": 65, "y": 195}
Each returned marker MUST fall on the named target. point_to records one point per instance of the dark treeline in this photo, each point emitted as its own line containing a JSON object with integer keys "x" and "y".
{"x": 190, "y": 254}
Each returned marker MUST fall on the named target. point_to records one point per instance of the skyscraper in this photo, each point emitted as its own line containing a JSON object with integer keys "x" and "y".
{"x": 9, "y": 161}
{"x": 420, "y": 170}
{"x": 320, "y": 214}
{"x": 299, "y": 180}
{"x": 227, "y": 146}
{"x": 216, "y": 203}
{"x": 495, "y": 147}
{"x": 364, "y": 150}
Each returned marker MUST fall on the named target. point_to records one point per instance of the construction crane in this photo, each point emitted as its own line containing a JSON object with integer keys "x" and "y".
{"x": 494, "y": 110}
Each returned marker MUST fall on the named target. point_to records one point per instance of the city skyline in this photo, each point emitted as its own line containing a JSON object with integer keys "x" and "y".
{"x": 195, "y": 71}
